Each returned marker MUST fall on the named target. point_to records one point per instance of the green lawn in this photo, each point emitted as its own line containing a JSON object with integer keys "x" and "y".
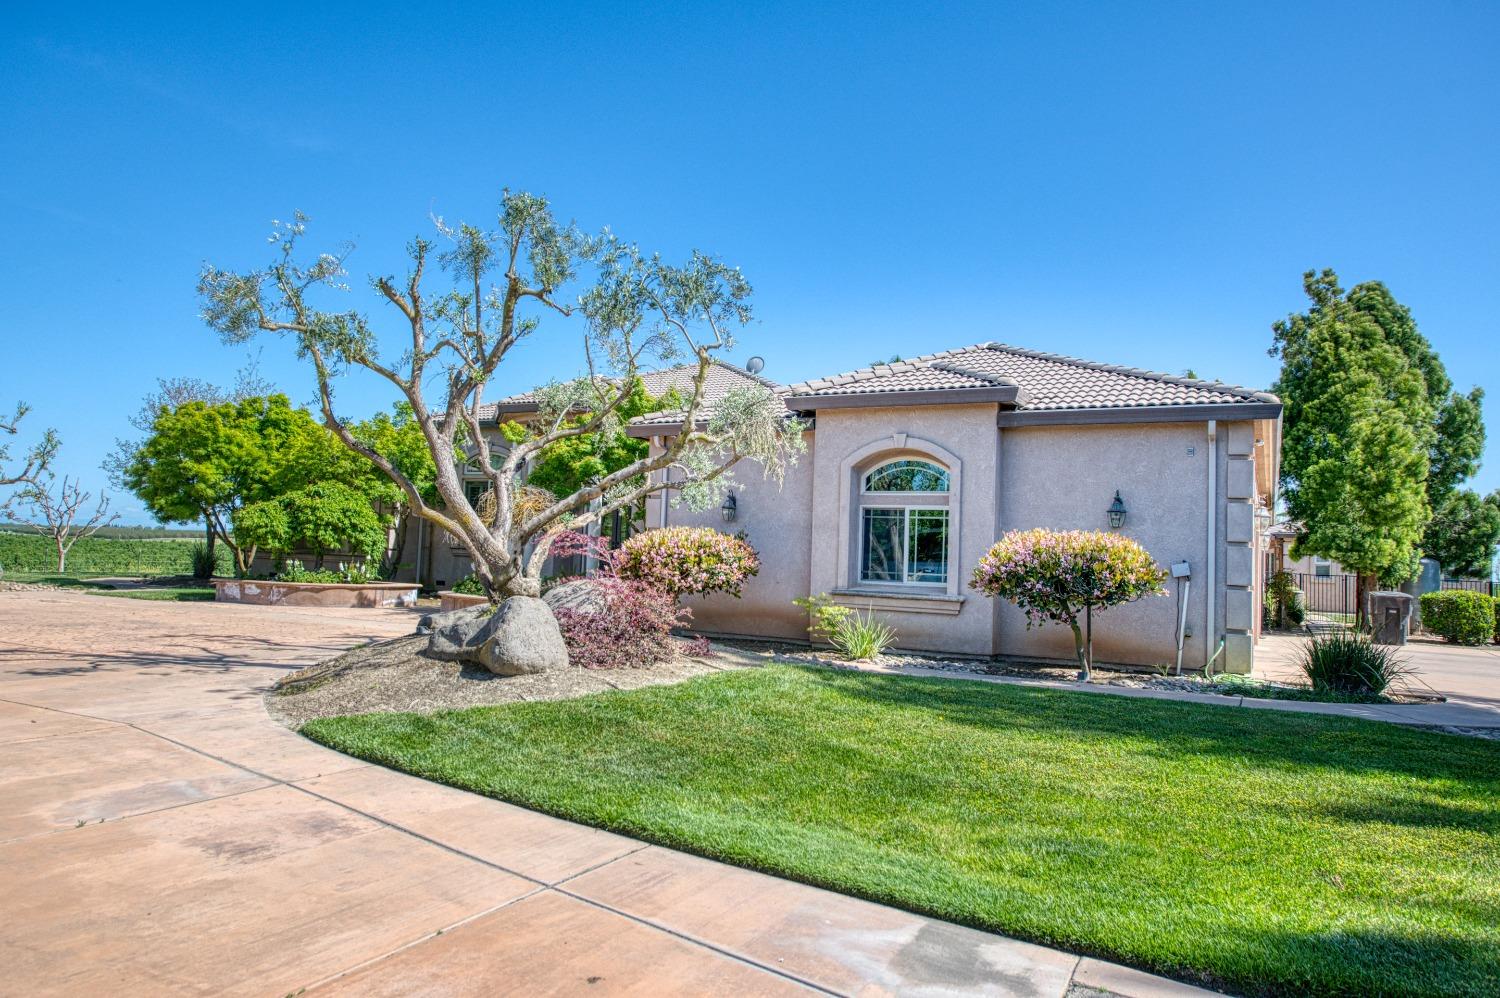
{"x": 178, "y": 594}
{"x": 1255, "y": 850}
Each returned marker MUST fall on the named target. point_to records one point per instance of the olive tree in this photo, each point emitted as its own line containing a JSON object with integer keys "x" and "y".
{"x": 635, "y": 311}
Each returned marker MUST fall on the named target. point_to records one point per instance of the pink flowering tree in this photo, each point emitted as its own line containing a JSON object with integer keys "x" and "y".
{"x": 683, "y": 561}
{"x": 1060, "y": 576}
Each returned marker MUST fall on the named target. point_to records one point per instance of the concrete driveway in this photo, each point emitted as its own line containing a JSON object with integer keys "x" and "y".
{"x": 159, "y": 834}
{"x": 1467, "y": 676}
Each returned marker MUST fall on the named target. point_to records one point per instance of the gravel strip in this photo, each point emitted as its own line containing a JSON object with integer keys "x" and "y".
{"x": 397, "y": 676}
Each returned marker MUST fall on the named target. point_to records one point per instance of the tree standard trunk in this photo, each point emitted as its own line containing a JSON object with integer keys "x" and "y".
{"x": 62, "y": 558}
{"x": 1086, "y": 673}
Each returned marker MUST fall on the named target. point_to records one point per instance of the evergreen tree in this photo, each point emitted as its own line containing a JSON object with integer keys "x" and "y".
{"x": 1359, "y": 428}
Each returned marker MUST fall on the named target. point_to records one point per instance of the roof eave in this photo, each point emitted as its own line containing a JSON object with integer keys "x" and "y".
{"x": 1190, "y": 413}
{"x": 1002, "y": 394}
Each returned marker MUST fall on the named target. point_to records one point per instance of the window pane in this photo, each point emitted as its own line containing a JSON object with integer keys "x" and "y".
{"x": 881, "y": 546}
{"x": 907, "y": 476}
{"x": 927, "y": 536}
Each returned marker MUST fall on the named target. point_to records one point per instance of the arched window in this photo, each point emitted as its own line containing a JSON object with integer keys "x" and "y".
{"x": 907, "y": 476}
{"x": 903, "y": 524}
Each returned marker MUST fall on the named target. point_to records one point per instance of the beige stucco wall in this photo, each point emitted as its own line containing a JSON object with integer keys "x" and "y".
{"x": 968, "y": 434}
{"x": 1064, "y": 478}
{"x": 776, "y": 520}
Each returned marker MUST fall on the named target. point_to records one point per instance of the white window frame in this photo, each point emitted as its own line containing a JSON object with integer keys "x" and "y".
{"x": 906, "y": 510}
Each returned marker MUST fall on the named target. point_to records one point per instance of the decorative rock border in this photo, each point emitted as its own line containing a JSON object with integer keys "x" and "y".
{"x": 332, "y": 594}
{"x": 458, "y": 601}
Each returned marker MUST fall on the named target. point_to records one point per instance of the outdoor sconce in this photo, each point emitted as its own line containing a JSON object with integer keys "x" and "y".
{"x": 1116, "y": 512}
{"x": 730, "y": 507}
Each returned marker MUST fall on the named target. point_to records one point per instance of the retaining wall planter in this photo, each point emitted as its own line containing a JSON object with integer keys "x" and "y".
{"x": 335, "y": 594}
{"x": 457, "y": 601}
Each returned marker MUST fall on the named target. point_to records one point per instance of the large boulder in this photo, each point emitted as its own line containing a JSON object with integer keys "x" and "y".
{"x": 521, "y": 638}
{"x": 455, "y": 636}
{"x": 430, "y": 622}
{"x": 583, "y": 595}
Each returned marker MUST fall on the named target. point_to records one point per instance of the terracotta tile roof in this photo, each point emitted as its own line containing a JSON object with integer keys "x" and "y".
{"x": 1048, "y": 381}
{"x": 721, "y": 378}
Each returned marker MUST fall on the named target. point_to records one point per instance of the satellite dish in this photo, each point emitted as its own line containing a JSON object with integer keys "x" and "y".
{"x": 755, "y": 365}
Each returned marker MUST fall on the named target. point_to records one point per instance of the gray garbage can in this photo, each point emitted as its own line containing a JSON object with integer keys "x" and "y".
{"x": 1390, "y": 617}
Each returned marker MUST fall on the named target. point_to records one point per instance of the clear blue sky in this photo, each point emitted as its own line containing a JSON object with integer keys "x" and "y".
{"x": 1141, "y": 184}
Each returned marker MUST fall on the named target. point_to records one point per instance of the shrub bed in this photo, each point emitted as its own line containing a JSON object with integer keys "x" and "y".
{"x": 1462, "y": 616}
{"x": 634, "y": 627}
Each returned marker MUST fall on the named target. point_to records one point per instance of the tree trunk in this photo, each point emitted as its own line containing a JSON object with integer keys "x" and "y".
{"x": 62, "y": 556}
{"x": 1086, "y": 673}
{"x": 1364, "y": 584}
{"x": 209, "y": 537}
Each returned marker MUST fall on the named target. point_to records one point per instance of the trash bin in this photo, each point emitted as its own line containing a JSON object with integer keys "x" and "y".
{"x": 1390, "y": 617}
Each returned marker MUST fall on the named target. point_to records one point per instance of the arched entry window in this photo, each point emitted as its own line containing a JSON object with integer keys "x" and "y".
{"x": 903, "y": 524}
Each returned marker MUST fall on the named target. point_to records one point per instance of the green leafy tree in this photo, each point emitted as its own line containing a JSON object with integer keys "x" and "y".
{"x": 171, "y": 393}
{"x": 575, "y": 462}
{"x": 1458, "y": 421}
{"x": 502, "y": 282}
{"x": 1359, "y": 431}
{"x": 398, "y": 438}
{"x": 1463, "y": 533}
{"x": 324, "y": 517}
{"x": 208, "y": 461}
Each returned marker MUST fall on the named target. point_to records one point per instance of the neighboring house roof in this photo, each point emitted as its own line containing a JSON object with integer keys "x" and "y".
{"x": 721, "y": 378}
{"x": 1035, "y": 381}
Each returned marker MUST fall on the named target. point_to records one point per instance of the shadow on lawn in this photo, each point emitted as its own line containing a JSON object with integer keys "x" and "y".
{"x": 1267, "y": 737}
{"x": 1372, "y": 962}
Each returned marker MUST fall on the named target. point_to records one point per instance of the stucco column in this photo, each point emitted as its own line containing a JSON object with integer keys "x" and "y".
{"x": 1239, "y": 551}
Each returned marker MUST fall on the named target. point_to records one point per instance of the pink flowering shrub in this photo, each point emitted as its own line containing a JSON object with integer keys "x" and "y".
{"x": 683, "y": 561}
{"x": 634, "y": 628}
{"x": 1058, "y": 575}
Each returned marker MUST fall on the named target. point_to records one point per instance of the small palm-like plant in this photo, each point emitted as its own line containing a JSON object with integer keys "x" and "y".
{"x": 204, "y": 559}
{"x": 1346, "y": 662}
{"x": 859, "y": 638}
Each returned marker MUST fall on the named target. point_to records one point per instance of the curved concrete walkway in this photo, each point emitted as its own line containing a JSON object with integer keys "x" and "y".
{"x": 160, "y": 834}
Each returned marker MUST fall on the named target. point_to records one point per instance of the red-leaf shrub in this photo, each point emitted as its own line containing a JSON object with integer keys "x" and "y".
{"x": 684, "y": 561}
{"x": 634, "y": 628}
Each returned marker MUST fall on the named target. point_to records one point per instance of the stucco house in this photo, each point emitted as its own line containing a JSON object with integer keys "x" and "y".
{"x": 913, "y": 469}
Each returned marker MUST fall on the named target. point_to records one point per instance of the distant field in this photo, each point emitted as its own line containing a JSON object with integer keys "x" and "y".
{"x": 30, "y": 553}
{"x": 121, "y": 533}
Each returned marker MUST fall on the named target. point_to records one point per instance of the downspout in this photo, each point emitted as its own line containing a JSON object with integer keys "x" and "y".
{"x": 1210, "y": 563}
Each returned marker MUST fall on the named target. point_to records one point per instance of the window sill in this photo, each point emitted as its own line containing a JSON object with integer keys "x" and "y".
{"x": 900, "y": 600}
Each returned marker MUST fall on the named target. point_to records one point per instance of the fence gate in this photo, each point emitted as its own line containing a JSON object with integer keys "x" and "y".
{"x": 1330, "y": 598}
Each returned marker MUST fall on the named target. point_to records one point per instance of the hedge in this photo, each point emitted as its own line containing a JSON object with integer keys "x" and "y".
{"x": 98, "y": 555}
{"x": 1462, "y": 616}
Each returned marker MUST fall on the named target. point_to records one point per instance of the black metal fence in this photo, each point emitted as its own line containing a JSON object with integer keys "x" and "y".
{"x": 1328, "y": 595}
{"x": 1485, "y": 586}
{"x": 1336, "y": 596}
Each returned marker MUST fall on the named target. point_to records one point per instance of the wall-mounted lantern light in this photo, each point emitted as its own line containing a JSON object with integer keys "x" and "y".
{"x": 1116, "y": 512}
{"x": 730, "y": 508}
